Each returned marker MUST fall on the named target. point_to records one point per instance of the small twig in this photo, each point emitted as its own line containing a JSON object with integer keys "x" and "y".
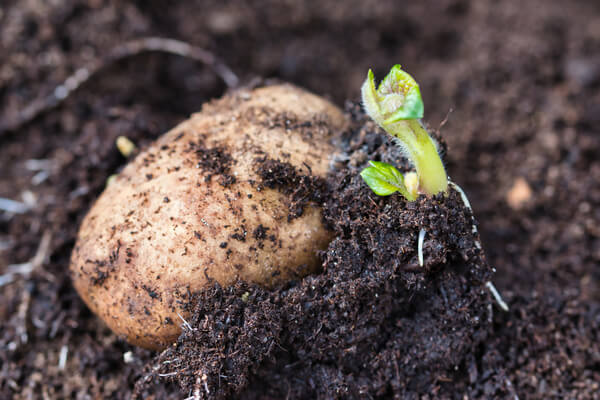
{"x": 120, "y": 52}
{"x": 25, "y": 269}
{"x": 205, "y": 384}
{"x": 396, "y": 367}
{"x": 13, "y": 206}
{"x": 62, "y": 357}
{"x": 501, "y": 303}
{"x": 21, "y": 330}
{"x": 197, "y": 387}
{"x": 511, "y": 388}
{"x": 422, "y": 233}
{"x": 43, "y": 169}
{"x": 36, "y": 165}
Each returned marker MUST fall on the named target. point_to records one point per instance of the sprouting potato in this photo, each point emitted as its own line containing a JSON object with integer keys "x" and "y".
{"x": 217, "y": 198}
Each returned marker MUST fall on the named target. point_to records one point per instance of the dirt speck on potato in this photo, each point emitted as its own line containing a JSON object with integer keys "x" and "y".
{"x": 302, "y": 188}
{"x": 214, "y": 161}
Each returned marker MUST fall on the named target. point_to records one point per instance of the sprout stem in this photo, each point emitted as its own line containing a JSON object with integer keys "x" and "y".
{"x": 422, "y": 151}
{"x": 429, "y": 166}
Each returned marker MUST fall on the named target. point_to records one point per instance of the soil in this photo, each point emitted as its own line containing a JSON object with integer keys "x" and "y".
{"x": 523, "y": 79}
{"x": 301, "y": 189}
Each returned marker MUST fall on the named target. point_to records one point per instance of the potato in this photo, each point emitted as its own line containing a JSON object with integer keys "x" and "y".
{"x": 208, "y": 201}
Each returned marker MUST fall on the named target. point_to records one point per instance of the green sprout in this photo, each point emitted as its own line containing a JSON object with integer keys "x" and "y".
{"x": 397, "y": 107}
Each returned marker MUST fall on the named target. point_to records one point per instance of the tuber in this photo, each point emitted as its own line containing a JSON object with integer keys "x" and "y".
{"x": 232, "y": 193}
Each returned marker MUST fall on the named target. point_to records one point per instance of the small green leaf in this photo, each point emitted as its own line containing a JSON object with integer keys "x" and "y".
{"x": 388, "y": 170}
{"x": 370, "y": 99}
{"x": 377, "y": 182}
{"x": 384, "y": 180}
{"x": 409, "y": 104}
{"x": 397, "y": 98}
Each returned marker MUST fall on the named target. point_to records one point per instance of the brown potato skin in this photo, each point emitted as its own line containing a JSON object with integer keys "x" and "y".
{"x": 157, "y": 232}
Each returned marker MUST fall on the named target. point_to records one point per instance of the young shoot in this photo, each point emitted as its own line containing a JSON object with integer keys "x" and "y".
{"x": 397, "y": 107}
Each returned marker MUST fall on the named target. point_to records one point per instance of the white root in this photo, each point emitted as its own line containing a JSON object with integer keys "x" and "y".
{"x": 512, "y": 389}
{"x": 422, "y": 233}
{"x": 185, "y": 323}
{"x": 495, "y": 294}
{"x": 467, "y": 203}
{"x": 462, "y": 193}
{"x": 168, "y": 374}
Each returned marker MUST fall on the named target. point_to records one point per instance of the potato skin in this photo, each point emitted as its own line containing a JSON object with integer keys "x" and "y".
{"x": 167, "y": 226}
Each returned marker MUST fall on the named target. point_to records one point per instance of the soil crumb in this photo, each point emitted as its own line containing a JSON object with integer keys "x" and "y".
{"x": 302, "y": 189}
{"x": 214, "y": 161}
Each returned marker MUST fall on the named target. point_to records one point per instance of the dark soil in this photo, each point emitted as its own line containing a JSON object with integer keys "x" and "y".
{"x": 523, "y": 79}
{"x": 302, "y": 189}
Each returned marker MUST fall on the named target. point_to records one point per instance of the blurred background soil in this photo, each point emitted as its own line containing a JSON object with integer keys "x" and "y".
{"x": 522, "y": 79}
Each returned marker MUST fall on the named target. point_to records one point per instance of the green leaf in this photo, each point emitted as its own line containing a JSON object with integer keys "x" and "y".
{"x": 384, "y": 179}
{"x": 377, "y": 182}
{"x": 409, "y": 103}
{"x": 370, "y": 99}
{"x": 388, "y": 170}
{"x": 397, "y": 98}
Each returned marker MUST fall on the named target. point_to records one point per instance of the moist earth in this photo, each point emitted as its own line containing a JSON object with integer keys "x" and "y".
{"x": 523, "y": 81}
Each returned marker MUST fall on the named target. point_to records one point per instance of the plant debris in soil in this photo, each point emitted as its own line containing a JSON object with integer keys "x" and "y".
{"x": 523, "y": 80}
